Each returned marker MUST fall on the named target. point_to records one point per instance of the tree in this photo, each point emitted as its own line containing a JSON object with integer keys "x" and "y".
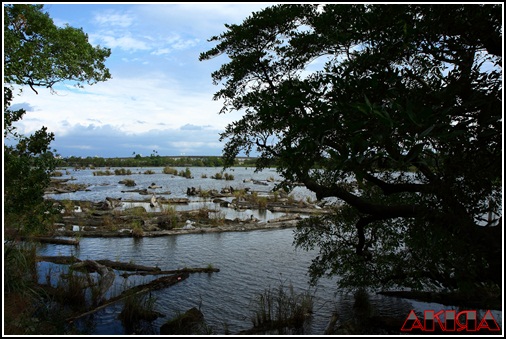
{"x": 38, "y": 54}
{"x": 396, "y": 111}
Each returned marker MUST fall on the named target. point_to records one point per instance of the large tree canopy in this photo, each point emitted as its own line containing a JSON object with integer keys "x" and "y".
{"x": 37, "y": 53}
{"x": 393, "y": 109}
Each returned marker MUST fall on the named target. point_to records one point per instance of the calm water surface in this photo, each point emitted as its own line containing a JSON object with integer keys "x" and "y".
{"x": 249, "y": 262}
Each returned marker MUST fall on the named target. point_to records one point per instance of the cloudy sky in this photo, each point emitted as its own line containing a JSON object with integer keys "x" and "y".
{"x": 160, "y": 95}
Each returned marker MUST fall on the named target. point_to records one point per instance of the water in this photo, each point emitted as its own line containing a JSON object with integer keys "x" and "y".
{"x": 102, "y": 186}
{"x": 249, "y": 262}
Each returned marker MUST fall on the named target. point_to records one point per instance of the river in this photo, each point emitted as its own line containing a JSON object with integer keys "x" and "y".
{"x": 249, "y": 262}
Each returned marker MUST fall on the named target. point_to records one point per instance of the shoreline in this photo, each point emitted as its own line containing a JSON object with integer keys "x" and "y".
{"x": 236, "y": 227}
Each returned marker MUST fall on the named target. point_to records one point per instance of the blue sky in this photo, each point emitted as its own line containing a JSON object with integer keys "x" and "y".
{"x": 160, "y": 94}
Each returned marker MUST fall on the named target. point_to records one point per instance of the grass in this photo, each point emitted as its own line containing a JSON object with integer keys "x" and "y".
{"x": 281, "y": 308}
{"x": 171, "y": 215}
{"x": 122, "y": 171}
{"x": 169, "y": 170}
{"x": 102, "y": 173}
{"x": 218, "y": 218}
{"x": 28, "y": 308}
{"x": 137, "y": 231}
{"x": 138, "y": 308}
{"x": 68, "y": 206}
{"x": 129, "y": 182}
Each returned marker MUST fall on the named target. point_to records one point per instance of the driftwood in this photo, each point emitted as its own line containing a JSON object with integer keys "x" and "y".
{"x": 156, "y": 284}
{"x": 109, "y": 263}
{"x": 177, "y": 201}
{"x": 50, "y": 240}
{"x": 285, "y": 217}
{"x": 183, "y": 270}
{"x": 107, "y": 275}
{"x": 68, "y": 260}
{"x": 127, "y": 266}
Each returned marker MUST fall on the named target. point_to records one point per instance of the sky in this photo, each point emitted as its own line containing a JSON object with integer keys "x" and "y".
{"x": 160, "y": 97}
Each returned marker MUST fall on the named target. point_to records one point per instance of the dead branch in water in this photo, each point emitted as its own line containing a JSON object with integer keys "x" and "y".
{"x": 183, "y": 270}
{"x": 156, "y": 284}
{"x": 127, "y": 266}
{"x": 50, "y": 240}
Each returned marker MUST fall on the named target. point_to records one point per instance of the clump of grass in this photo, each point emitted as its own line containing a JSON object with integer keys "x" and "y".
{"x": 221, "y": 176}
{"x": 108, "y": 221}
{"x": 68, "y": 206}
{"x": 169, "y": 170}
{"x": 122, "y": 171}
{"x": 217, "y": 176}
{"x": 71, "y": 289}
{"x": 137, "y": 211}
{"x": 186, "y": 173}
{"x": 136, "y": 309}
{"x": 203, "y": 213}
{"x": 241, "y": 193}
{"x": 101, "y": 173}
{"x": 129, "y": 182}
{"x": 137, "y": 231}
{"x": 204, "y": 193}
{"x": 149, "y": 172}
{"x": 281, "y": 308}
{"x": 170, "y": 217}
{"x": 262, "y": 203}
{"x": 218, "y": 218}
{"x": 20, "y": 267}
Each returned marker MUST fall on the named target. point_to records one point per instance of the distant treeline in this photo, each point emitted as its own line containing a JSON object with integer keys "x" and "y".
{"x": 153, "y": 161}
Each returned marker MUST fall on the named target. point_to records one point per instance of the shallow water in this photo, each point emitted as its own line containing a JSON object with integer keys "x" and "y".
{"x": 249, "y": 262}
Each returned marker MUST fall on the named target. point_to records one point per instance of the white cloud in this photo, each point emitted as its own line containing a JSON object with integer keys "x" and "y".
{"x": 161, "y": 51}
{"x": 122, "y": 103}
{"x": 160, "y": 96}
{"x": 101, "y": 140}
{"x": 113, "y": 18}
{"x": 125, "y": 42}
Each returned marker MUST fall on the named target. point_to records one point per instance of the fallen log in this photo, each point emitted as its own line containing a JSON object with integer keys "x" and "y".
{"x": 107, "y": 275}
{"x": 183, "y": 270}
{"x": 50, "y": 240}
{"x": 59, "y": 259}
{"x": 156, "y": 284}
{"x": 127, "y": 266}
{"x": 177, "y": 201}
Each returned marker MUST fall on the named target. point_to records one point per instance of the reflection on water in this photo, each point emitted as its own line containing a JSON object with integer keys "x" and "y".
{"x": 249, "y": 263}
